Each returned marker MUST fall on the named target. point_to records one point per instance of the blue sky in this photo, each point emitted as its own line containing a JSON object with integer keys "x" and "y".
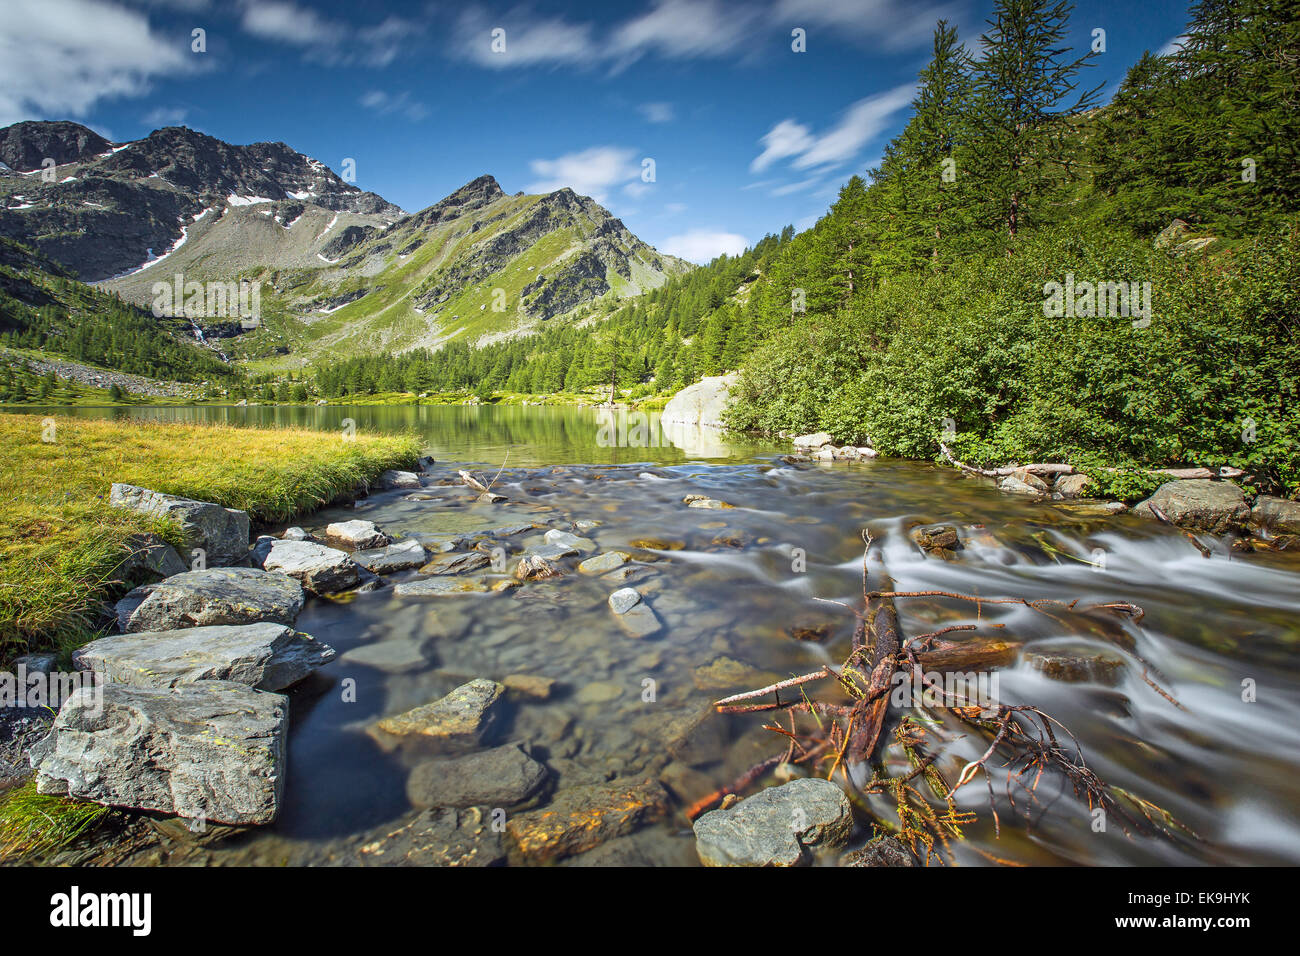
{"x": 745, "y": 134}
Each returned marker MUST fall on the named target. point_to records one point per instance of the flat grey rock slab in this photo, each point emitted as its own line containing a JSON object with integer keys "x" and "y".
{"x": 1200, "y": 504}
{"x": 778, "y": 826}
{"x": 401, "y": 556}
{"x": 212, "y": 750}
{"x": 443, "y": 586}
{"x": 210, "y": 597}
{"x": 265, "y": 656}
{"x": 221, "y": 533}
{"x": 565, "y": 539}
{"x": 318, "y": 568}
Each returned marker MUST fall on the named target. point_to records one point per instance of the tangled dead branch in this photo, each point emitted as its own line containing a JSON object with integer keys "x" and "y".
{"x": 1026, "y": 743}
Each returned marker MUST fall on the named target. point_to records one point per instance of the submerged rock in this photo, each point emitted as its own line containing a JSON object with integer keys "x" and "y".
{"x": 634, "y": 616}
{"x": 1078, "y": 668}
{"x": 443, "y": 587}
{"x": 704, "y": 501}
{"x": 263, "y": 656}
{"x": 319, "y": 569}
{"x": 457, "y": 562}
{"x": 726, "y": 673}
{"x": 1200, "y": 504}
{"x": 530, "y": 685}
{"x": 500, "y": 777}
{"x": 441, "y": 837}
{"x": 565, "y": 539}
{"x": 211, "y": 750}
{"x": 209, "y": 597}
{"x": 355, "y": 535}
{"x": 779, "y": 826}
{"x": 937, "y": 539}
{"x": 580, "y": 818}
{"x": 221, "y": 533}
{"x": 461, "y": 718}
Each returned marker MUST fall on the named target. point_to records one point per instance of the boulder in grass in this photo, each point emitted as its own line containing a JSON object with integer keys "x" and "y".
{"x": 210, "y": 597}
{"x": 211, "y": 750}
{"x": 150, "y": 555}
{"x": 779, "y": 826}
{"x": 319, "y": 569}
{"x": 263, "y": 656}
{"x": 355, "y": 535}
{"x": 221, "y": 533}
{"x": 1199, "y": 504}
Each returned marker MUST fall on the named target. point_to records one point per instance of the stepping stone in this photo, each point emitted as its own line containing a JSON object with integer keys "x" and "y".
{"x": 211, "y": 750}
{"x": 210, "y": 597}
{"x": 396, "y": 557}
{"x": 263, "y": 656}
{"x": 319, "y": 569}
{"x": 355, "y": 535}
{"x": 457, "y": 563}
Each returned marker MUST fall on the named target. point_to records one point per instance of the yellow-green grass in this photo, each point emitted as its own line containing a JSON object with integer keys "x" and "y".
{"x": 32, "y": 824}
{"x": 61, "y": 543}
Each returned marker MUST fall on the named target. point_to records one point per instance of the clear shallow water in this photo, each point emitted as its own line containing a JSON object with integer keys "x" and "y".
{"x": 1227, "y": 769}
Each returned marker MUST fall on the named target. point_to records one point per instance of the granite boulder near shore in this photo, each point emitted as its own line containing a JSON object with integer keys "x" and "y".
{"x": 220, "y": 533}
{"x": 212, "y": 750}
{"x": 265, "y": 656}
{"x": 210, "y": 597}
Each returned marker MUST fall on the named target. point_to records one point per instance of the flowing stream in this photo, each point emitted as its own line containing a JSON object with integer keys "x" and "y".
{"x": 1219, "y": 635}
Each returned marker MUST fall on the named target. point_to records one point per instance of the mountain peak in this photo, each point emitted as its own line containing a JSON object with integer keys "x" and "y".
{"x": 25, "y": 146}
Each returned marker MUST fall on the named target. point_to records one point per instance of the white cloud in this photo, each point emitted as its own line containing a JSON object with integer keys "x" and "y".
{"x": 591, "y": 172}
{"x": 675, "y": 208}
{"x": 657, "y": 112}
{"x": 800, "y": 186}
{"x": 528, "y": 41}
{"x": 334, "y": 42}
{"x": 61, "y": 57}
{"x": 165, "y": 116}
{"x": 861, "y": 122}
{"x": 702, "y": 245}
{"x": 891, "y": 24}
{"x": 675, "y": 29}
{"x": 683, "y": 28}
{"x": 385, "y": 103}
{"x": 786, "y": 138}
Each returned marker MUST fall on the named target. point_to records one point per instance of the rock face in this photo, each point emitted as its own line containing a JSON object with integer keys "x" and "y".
{"x": 213, "y": 750}
{"x": 1200, "y": 504}
{"x": 355, "y": 534}
{"x": 222, "y": 533}
{"x": 319, "y": 569}
{"x": 459, "y": 720}
{"x": 262, "y": 656}
{"x": 396, "y": 557}
{"x": 1276, "y": 515}
{"x": 500, "y": 777}
{"x": 778, "y": 826}
{"x": 582, "y": 817}
{"x": 210, "y": 597}
{"x": 700, "y": 404}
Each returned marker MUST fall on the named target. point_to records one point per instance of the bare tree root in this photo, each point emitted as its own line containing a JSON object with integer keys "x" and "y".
{"x": 844, "y": 740}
